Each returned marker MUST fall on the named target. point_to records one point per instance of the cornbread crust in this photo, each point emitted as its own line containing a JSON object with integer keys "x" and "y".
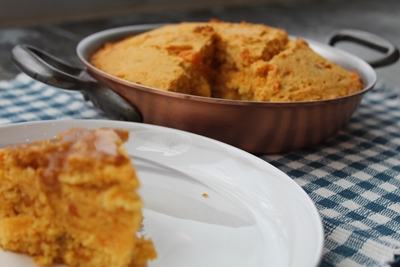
{"x": 238, "y": 45}
{"x": 240, "y": 61}
{"x": 73, "y": 200}
{"x": 169, "y": 58}
{"x": 296, "y": 74}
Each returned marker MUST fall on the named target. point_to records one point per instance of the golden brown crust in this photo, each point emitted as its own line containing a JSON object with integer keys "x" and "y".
{"x": 242, "y": 61}
{"x": 169, "y": 58}
{"x": 72, "y": 200}
{"x": 296, "y": 74}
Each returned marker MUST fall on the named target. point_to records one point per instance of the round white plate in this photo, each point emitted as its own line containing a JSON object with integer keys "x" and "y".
{"x": 206, "y": 203}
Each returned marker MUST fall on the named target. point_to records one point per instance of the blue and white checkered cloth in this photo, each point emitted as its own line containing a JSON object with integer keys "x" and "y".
{"x": 353, "y": 178}
{"x": 354, "y": 181}
{"x": 24, "y": 99}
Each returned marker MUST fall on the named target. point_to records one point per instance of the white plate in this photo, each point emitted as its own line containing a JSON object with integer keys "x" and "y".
{"x": 254, "y": 214}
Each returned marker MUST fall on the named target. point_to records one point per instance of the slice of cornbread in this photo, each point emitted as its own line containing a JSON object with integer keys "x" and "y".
{"x": 298, "y": 74}
{"x": 171, "y": 58}
{"x": 239, "y": 45}
{"x": 73, "y": 200}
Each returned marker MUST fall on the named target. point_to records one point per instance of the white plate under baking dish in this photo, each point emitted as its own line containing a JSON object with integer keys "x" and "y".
{"x": 207, "y": 204}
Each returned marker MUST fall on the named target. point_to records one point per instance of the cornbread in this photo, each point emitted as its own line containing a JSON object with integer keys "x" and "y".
{"x": 73, "y": 200}
{"x": 241, "y": 61}
{"x": 171, "y": 58}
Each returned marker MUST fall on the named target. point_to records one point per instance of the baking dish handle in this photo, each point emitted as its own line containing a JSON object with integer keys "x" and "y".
{"x": 52, "y": 71}
{"x": 391, "y": 53}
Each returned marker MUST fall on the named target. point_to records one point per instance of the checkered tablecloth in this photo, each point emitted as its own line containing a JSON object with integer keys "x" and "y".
{"x": 353, "y": 178}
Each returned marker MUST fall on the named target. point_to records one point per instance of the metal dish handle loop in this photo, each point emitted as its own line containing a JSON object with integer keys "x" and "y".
{"x": 50, "y": 70}
{"x": 391, "y": 53}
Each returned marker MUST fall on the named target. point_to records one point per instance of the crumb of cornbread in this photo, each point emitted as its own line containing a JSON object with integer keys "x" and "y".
{"x": 73, "y": 200}
{"x": 240, "y": 61}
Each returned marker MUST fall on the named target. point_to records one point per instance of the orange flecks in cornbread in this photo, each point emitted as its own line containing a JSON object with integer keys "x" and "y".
{"x": 168, "y": 58}
{"x": 238, "y": 45}
{"x": 73, "y": 200}
{"x": 304, "y": 75}
{"x": 241, "y": 61}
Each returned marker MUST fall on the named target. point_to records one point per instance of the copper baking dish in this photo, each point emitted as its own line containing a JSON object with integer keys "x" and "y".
{"x": 257, "y": 127}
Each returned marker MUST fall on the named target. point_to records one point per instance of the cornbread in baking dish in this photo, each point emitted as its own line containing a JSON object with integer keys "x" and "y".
{"x": 241, "y": 61}
{"x": 73, "y": 200}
